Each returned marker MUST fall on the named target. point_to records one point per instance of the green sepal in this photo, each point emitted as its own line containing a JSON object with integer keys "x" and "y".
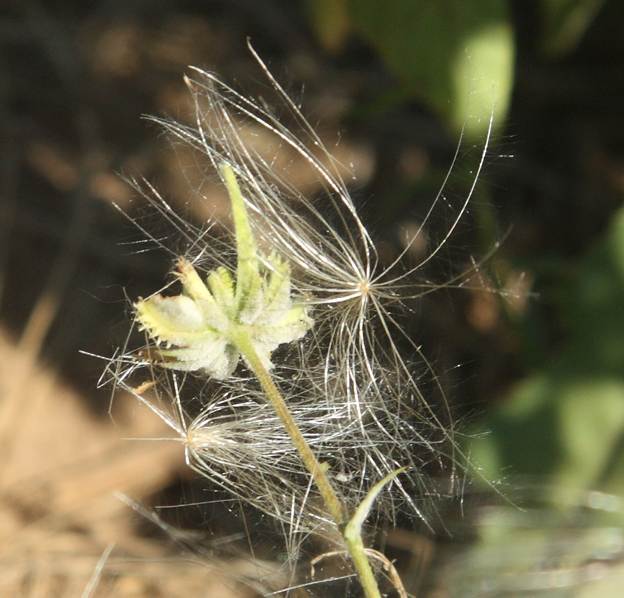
{"x": 248, "y": 280}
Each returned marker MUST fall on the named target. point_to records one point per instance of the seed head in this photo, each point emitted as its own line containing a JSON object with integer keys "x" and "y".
{"x": 352, "y": 390}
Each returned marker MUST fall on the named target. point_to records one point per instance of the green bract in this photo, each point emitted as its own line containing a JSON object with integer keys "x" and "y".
{"x": 200, "y": 328}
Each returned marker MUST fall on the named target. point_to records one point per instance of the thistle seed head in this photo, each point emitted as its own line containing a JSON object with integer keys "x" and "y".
{"x": 350, "y": 387}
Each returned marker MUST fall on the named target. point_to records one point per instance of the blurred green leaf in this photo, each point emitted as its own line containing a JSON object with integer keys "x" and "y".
{"x": 566, "y": 422}
{"x": 482, "y": 78}
{"x": 564, "y": 22}
{"x": 456, "y": 55}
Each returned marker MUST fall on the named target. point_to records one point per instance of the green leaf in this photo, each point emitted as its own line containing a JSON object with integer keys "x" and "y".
{"x": 481, "y": 78}
{"x": 565, "y": 424}
{"x": 353, "y": 529}
{"x": 564, "y": 22}
{"x": 457, "y": 55}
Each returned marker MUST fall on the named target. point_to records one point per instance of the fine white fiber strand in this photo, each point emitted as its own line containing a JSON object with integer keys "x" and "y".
{"x": 353, "y": 392}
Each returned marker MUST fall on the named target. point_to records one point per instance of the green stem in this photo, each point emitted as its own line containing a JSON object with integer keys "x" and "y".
{"x": 274, "y": 396}
{"x": 357, "y": 551}
{"x": 334, "y": 506}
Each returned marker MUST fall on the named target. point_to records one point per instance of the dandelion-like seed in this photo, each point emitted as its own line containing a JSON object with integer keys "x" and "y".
{"x": 316, "y": 447}
{"x": 335, "y": 268}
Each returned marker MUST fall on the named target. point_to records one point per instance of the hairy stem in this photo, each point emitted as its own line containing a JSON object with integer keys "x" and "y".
{"x": 274, "y": 396}
{"x": 333, "y": 504}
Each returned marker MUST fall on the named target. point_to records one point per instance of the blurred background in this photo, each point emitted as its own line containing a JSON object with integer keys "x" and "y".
{"x": 534, "y": 370}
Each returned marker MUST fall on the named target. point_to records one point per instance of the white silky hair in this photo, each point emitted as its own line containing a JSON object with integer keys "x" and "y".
{"x": 349, "y": 386}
